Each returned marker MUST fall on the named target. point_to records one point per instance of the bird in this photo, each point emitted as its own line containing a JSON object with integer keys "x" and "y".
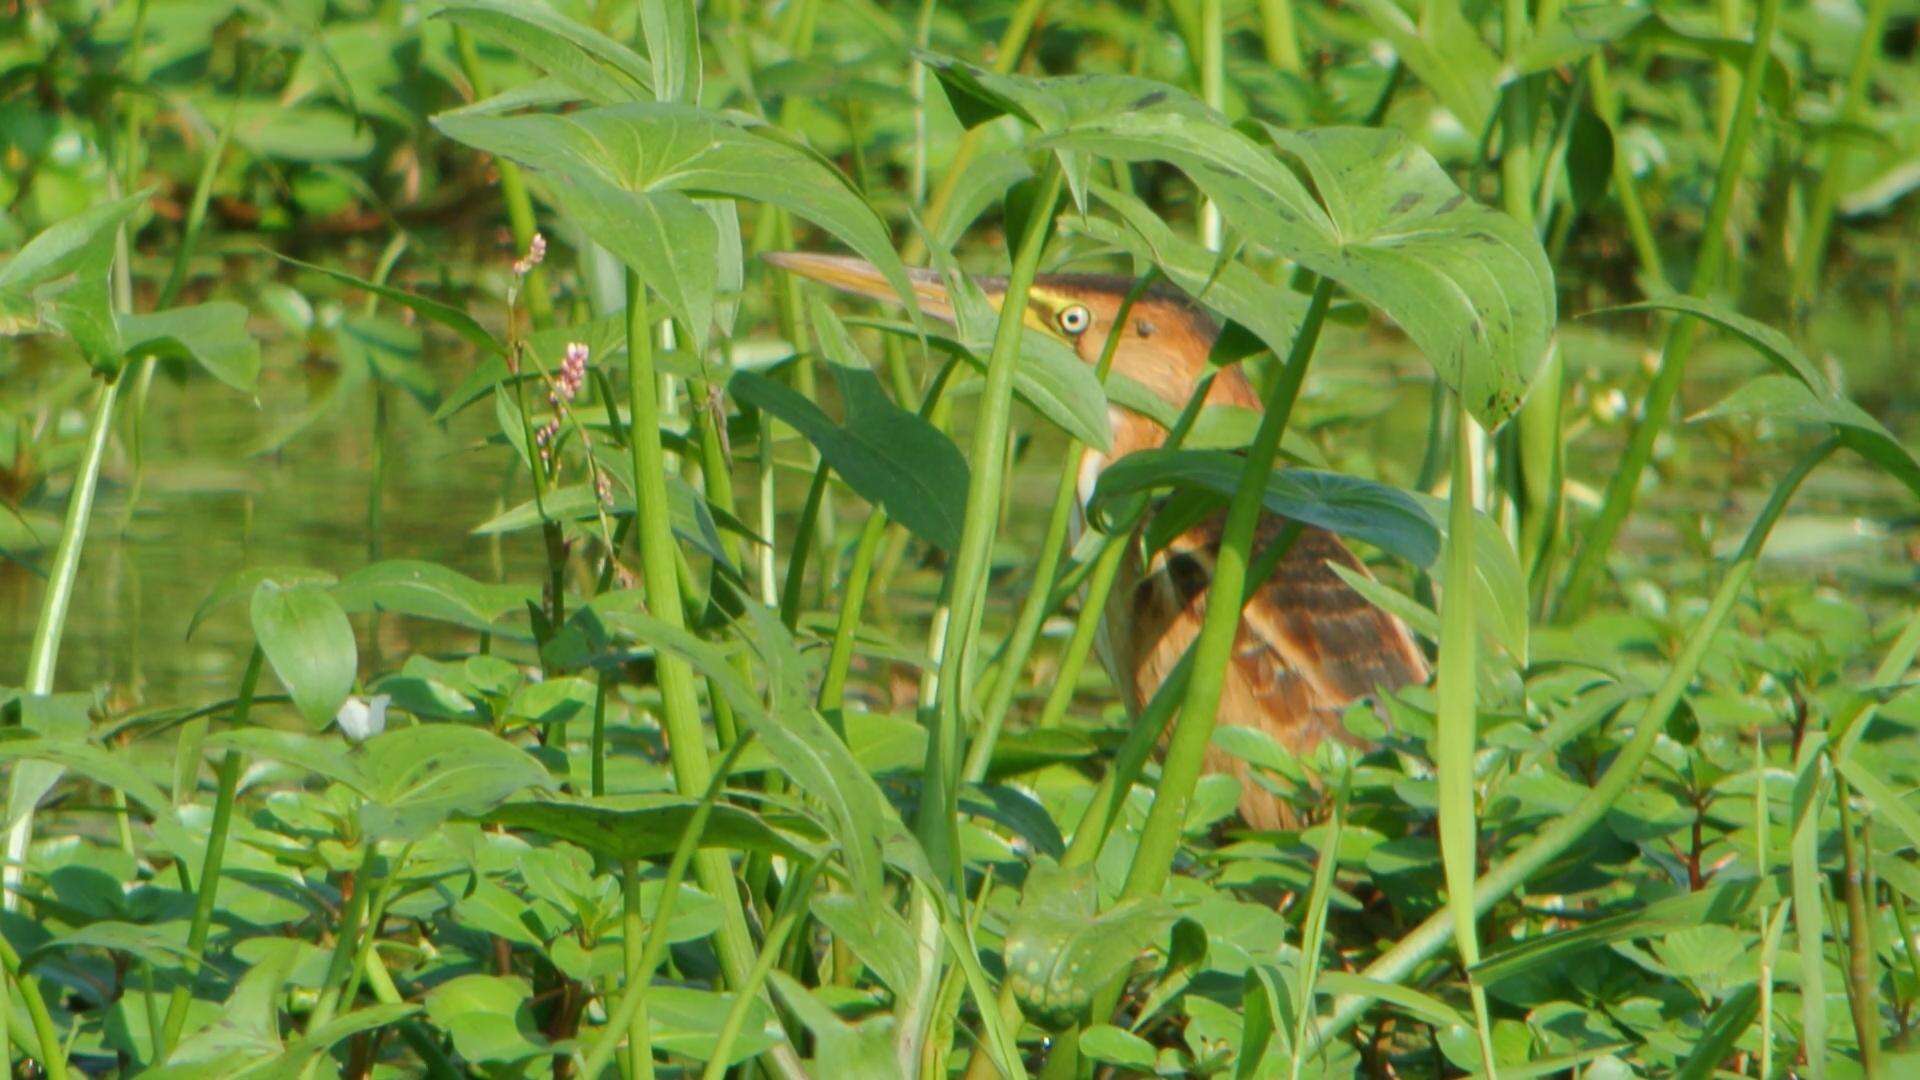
{"x": 1308, "y": 644}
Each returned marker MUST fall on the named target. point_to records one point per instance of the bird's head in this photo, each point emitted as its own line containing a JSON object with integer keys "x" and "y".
{"x": 1163, "y": 345}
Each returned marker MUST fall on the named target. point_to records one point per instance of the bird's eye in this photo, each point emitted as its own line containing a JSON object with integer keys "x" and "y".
{"x": 1075, "y": 319}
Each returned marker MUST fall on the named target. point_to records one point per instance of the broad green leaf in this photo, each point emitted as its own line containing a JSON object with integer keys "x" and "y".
{"x": 891, "y": 457}
{"x": 1225, "y": 285}
{"x": 600, "y": 68}
{"x": 421, "y": 776}
{"x": 429, "y": 591}
{"x": 864, "y": 1049}
{"x": 247, "y": 1028}
{"x": 1415, "y": 1003}
{"x": 879, "y": 937}
{"x": 1060, "y": 952}
{"x": 242, "y": 584}
{"x": 1885, "y": 799}
{"x": 1386, "y": 517}
{"x": 110, "y": 769}
{"x": 673, "y": 46}
{"x": 1118, "y": 1047}
{"x": 1050, "y": 379}
{"x": 489, "y": 1018}
{"x": 302, "y": 1053}
{"x": 1501, "y": 609}
{"x": 1775, "y": 346}
{"x": 664, "y": 236}
{"x": 58, "y": 281}
{"x": 211, "y": 335}
{"x": 657, "y": 147}
{"x": 310, "y": 644}
{"x": 1789, "y": 399}
{"x": 641, "y": 827}
{"x": 158, "y": 945}
{"x": 1471, "y": 286}
{"x": 687, "y": 1022}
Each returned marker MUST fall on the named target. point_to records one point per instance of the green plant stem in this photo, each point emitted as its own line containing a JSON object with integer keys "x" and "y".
{"x": 1213, "y": 91}
{"x": 1277, "y": 33}
{"x": 833, "y": 686}
{"x": 1863, "y": 997}
{"x": 1038, "y": 604}
{"x": 1812, "y": 253}
{"x": 1639, "y": 232}
{"x": 210, "y": 866}
{"x": 968, "y": 574}
{"x": 1193, "y": 730}
{"x": 380, "y": 981}
{"x": 633, "y": 998}
{"x": 346, "y": 945}
{"x": 792, "y": 907}
{"x": 639, "y": 1032}
{"x": 513, "y": 187}
{"x": 680, "y": 705}
{"x": 31, "y": 780}
{"x": 1212, "y": 649}
{"x": 1398, "y": 962}
{"x": 1624, "y": 486}
{"x": 1457, "y": 709}
{"x": 52, "y": 1060}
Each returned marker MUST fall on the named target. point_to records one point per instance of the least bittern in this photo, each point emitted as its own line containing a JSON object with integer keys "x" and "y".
{"x": 1308, "y": 645}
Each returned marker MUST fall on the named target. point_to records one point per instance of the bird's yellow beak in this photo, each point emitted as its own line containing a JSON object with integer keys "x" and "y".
{"x": 861, "y": 278}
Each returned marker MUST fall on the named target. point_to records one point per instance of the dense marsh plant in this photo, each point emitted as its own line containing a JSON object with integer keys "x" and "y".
{"x": 786, "y": 735}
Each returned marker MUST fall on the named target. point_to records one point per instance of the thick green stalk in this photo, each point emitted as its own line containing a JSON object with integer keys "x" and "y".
{"x": 968, "y": 575}
{"x": 1812, "y": 253}
{"x": 1430, "y": 936}
{"x": 1625, "y": 483}
{"x": 32, "y": 779}
{"x": 216, "y": 857}
{"x": 1213, "y": 649}
{"x": 633, "y": 999}
{"x": 1862, "y": 987}
{"x": 52, "y": 1060}
{"x": 1278, "y": 35}
{"x": 1456, "y": 691}
{"x": 1213, "y": 91}
{"x": 1211, "y": 652}
{"x": 1052, "y": 545}
{"x": 680, "y": 704}
{"x": 792, "y": 907}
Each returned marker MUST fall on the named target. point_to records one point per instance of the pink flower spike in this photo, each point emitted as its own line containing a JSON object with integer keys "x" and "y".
{"x": 536, "y": 251}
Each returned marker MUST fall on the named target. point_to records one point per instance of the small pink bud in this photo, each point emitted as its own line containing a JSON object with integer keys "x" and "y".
{"x": 536, "y": 251}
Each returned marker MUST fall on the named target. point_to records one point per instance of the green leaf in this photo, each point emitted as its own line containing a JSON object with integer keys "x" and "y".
{"x": 891, "y": 457}
{"x": 1114, "y": 1046}
{"x": 600, "y": 68}
{"x": 1386, "y": 517}
{"x": 879, "y": 937}
{"x": 58, "y": 282}
{"x": 673, "y": 44}
{"x": 664, "y": 236}
{"x": 1500, "y": 608}
{"x": 159, "y": 946}
{"x": 310, "y": 644}
{"x": 687, "y": 1022}
{"x": 641, "y": 827}
{"x": 489, "y": 1018}
{"x": 1775, "y": 346}
{"x": 430, "y": 591}
{"x": 1720, "y": 904}
{"x": 211, "y": 335}
{"x": 1447, "y": 53}
{"x": 657, "y": 147}
{"x": 1059, "y": 952}
{"x": 1784, "y": 398}
{"x": 1050, "y": 379}
{"x": 242, "y": 584}
{"x": 110, "y": 769}
{"x": 419, "y": 777}
{"x": 1471, "y": 286}
{"x": 1225, "y": 285}
{"x": 432, "y": 310}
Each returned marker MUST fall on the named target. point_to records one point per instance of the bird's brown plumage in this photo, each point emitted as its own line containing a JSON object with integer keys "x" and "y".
{"x": 1308, "y": 644}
